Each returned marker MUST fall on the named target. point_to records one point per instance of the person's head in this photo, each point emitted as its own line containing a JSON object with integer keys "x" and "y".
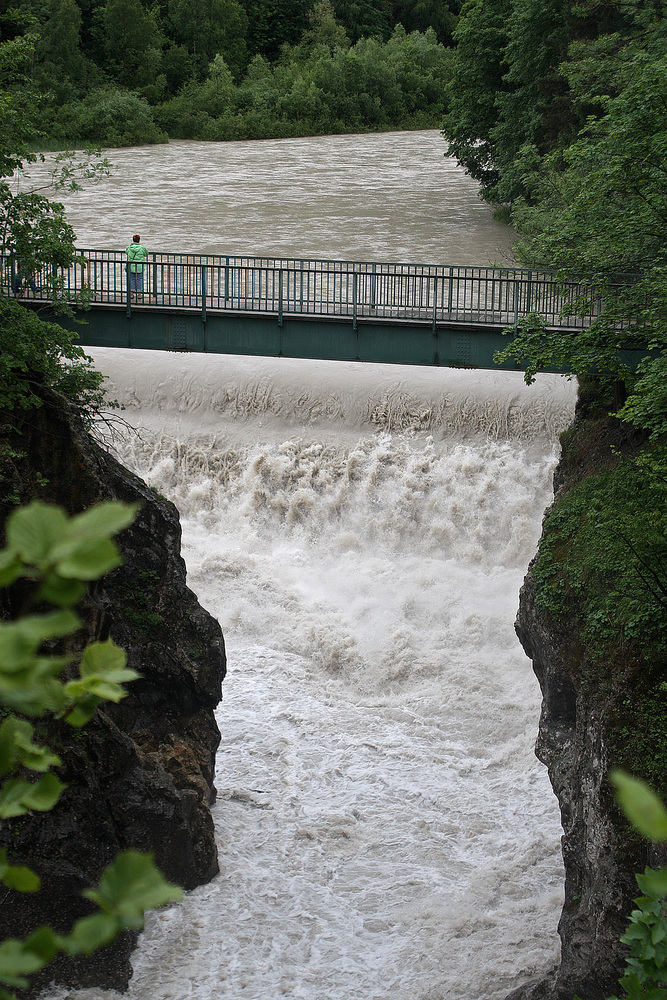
{"x": 136, "y": 238}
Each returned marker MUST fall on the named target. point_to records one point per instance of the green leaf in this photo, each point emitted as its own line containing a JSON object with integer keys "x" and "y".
{"x": 16, "y": 962}
{"x": 28, "y": 681}
{"x": 103, "y": 673}
{"x": 33, "y": 531}
{"x": 44, "y": 943}
{"x": 83, "y": 712}
{"x": 89, "y": 560}
{"x": 17, "y": 797}
{"x": 19, "y": 640}
{"x": 17, "y": 746}
{"x": 17, "y": 876}
{"x": 653, "y": 883}
{"x": 34, "y": 690}
{"x": 102, "y": 688}
{"x": 104, "y": 659}
{"x": 104, "y": 520}
{"x": 11, "y": 567}
{"x": 130, "y": 885}
{"x": 86, "y": 551}
{"x": 659, "y": 932}
{"x": 60, "y": 591}
{"x": 641, "y": 805}
{"x": 91, "y": 933}
{"x": 21, "y": 878}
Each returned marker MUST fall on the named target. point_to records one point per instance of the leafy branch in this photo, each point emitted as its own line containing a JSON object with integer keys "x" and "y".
{"x": 57, "y": 555}
{"x": 646, "y": 967}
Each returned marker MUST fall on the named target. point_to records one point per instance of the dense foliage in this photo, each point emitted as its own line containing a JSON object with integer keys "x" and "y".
{"x": 36, "y": 243}
{"x": 123, "y": 72}
{"x": 569, "y": 132}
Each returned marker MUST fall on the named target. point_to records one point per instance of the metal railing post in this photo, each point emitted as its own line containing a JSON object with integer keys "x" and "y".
{"x": 451, "y": 290}
{"x": 280, "y": 297}
{"x": 203, "y": 293}
{"x": 127, "y": 290}
{"x": 530, "y": 291}
{"x": 154, "y": 278}
{"x": 373, "y": 279}
{"x": 226, "y": 278}
{"x": 354, "y": 301}
{"x": 435, "y": 301}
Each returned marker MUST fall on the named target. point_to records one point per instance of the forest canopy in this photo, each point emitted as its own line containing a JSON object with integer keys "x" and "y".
{"x": 124, "y": 72}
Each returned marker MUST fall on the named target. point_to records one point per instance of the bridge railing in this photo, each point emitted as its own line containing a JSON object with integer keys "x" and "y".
{"x": 286, "y": 286}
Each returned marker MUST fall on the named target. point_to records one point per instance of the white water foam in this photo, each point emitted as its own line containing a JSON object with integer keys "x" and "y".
{"x": 361, "y": 532}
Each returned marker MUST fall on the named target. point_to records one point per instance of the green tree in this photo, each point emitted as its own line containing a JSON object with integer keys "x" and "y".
{"x": 324, "y": 33}
{"x": 274, "y": 23}
{"x": 208, "y": 27}
{"x": 512, "y": 100}
{"x": 364, "y": 18}
{"x": 420, "y": 15}
{"x": 58, "y": 50}
{"x": 35, "y": 235}
{"x": 133, "y": 42}
{"x": 605, "y": 213}
{"x": 478, "y": 79}
{"x": 534, "y": 108}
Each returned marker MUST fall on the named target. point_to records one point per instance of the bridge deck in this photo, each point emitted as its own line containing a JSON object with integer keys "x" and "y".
{"x": 396, "y": 313}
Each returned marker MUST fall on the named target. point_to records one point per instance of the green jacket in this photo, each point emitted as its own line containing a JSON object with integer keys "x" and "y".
{"x": 136, "y": 254}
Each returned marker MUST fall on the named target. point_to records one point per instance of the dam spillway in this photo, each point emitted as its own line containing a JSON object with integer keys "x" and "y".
{"x": 361, "y": 532}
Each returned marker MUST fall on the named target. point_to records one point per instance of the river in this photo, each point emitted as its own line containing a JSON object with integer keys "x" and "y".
{"x": 361, "y": 532}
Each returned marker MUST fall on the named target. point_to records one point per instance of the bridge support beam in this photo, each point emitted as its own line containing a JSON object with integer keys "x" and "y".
{"x": 345, "y": 338}
{"x": 266, "y": 334}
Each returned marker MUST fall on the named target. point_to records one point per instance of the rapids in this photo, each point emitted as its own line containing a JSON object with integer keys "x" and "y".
{"x": 361, "y": 533}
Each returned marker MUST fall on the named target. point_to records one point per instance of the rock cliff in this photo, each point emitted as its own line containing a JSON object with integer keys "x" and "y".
{"x": 599, "y": 868}
{"x": 141, "y": 773}
{"x": 579, "y": 732}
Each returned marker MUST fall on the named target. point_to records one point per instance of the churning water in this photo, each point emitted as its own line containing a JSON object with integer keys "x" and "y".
{"x": 361, "y": 532}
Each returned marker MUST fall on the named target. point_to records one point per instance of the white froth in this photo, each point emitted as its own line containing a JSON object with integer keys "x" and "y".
{"x": 361, "y": 532}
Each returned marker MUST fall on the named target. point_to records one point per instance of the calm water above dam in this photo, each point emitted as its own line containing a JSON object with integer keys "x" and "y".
{"x": 392, "y": 197}
{"x": 361, "y": 532}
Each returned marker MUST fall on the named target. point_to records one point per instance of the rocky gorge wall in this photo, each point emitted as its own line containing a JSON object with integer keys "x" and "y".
{"x": 141, "y": 773}
{"x": 581, "y": 732}
{"x": 599, "y": 871}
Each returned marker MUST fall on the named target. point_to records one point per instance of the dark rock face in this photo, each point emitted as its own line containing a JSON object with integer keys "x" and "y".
{"x": 578, "y": 701}
{"x": 599, "y": 868}
{"x": 141, "y": 773}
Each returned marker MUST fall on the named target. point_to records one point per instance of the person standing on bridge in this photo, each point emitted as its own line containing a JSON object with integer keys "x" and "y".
{"x": 136, "y": 255}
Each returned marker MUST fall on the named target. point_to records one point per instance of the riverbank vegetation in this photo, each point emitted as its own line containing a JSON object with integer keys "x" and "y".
{"x": 559, "y": 110}
{"x": 124, "y": 72}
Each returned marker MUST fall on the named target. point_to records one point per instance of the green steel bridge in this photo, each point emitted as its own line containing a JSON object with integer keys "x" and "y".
{"x": 393, "y": 313}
